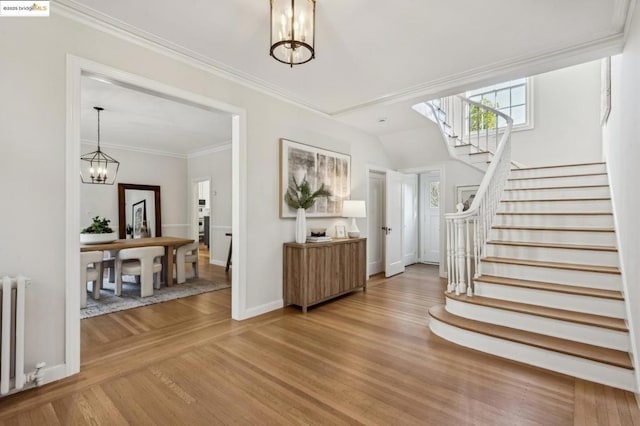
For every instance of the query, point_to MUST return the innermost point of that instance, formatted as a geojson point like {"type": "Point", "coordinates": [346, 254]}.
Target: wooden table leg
{"type": "Point", "coordinates": [169, 257]}
{"type": "Point", "coordinates": [226, 269]}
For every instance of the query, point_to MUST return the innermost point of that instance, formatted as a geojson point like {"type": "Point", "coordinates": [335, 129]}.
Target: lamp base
{"type": "Point", "coordinates": [353, 230]}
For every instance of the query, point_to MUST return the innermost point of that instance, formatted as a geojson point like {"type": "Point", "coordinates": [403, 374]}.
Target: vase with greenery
{"type": "Point", "coordinates": [98, 232]}
{"type": "Point", "coordinates": [299, 196]}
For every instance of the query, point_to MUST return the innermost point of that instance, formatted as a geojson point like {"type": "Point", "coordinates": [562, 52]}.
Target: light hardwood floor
{"type": "Point", "coordinates": [365, 358]}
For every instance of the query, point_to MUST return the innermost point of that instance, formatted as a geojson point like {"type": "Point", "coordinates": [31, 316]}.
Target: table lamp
{"type": "Point", "coordinates": [353, 209]}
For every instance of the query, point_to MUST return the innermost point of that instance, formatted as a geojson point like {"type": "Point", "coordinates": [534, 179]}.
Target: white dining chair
{"type": "Point", "coordinates": [187, 253]}
{"type": "Point", "coordinates": [109, 263]}
{"type": "Point", "coordinates": [141, 261]}
{"type": "Point", "coordinates": [90, 271]}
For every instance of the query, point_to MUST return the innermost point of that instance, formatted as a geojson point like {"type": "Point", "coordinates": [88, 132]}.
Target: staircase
{"type": "Point", "coordinates": [545, 288]}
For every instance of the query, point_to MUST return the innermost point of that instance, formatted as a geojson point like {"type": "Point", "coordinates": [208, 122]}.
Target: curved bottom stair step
{"type": "Point", "coordinates": [610, 323]}
{"type": "Point", "coordinates": [581, 350]}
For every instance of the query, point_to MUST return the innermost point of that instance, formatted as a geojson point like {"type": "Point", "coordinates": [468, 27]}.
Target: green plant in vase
{"type": "Point", "coordinates": [98, 232]}
{"type": "Point", "coordinates": [300, 196]}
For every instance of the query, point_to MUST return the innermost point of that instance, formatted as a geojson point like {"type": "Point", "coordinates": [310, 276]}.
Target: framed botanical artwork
{"type": "Point", "coordinates": [318, 166]}
{"type": "Point", "coordinates": [139, 215]}
{"type": "Point", "coordinates": [465, 194]}
{"type": "Point", "coordinates": [341, 231]}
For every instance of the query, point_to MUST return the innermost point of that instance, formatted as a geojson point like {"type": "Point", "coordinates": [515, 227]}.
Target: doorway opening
{"type": "Point", "coordinates": [430, 202]}
{"type": "Point", "coordinates": [236, 149]}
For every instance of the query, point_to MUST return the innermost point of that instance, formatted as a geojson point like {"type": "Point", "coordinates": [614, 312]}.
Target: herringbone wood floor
{"type": "Point", "coordinates": [366, 358]}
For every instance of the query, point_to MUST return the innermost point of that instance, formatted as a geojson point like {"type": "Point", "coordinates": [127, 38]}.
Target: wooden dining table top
{"type": "Point", "coordinates": [137, 242]}
{"type": "Point", "coordinates": [168, 242]}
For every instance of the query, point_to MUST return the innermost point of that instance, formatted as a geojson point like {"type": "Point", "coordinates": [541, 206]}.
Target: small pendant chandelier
{"type": "Point", "coordinates": [293, 31]}
{"type": "Point", "coordinates": [98, 167]}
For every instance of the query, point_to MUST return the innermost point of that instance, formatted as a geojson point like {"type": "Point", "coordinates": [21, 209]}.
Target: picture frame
{"type": "Point", "coordinates": [318, 166]}
{"type": "Point", "coordinates": [341, 231]}
{"type": "Point", "coordinates": [139, 217]}
{"type": "Point", "coordinates": [465, 195]}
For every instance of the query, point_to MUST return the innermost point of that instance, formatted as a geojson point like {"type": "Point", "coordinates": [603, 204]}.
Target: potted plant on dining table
{"type": "Point", "coordinates": [99, 232]}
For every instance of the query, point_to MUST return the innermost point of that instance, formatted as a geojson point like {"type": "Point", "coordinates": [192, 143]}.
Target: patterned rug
{"type": "Point", "coordinates": [130, 298]}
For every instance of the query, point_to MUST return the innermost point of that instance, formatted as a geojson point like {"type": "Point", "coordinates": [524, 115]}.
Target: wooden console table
{"type": "Point", "coordinates": [315, 272]}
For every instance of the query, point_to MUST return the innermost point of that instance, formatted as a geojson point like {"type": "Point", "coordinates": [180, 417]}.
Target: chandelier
{"type": "Point", "coordinates": [293, 31]}
{"type": "Point", "coordinates": [98, 167]}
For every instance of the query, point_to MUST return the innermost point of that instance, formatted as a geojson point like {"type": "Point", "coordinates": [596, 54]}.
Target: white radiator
{"type": "Point", "coordinates": [12, 309]}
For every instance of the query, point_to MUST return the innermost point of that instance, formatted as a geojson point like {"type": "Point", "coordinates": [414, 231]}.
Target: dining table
{"type": "Point", "coordinates": [169, 244]}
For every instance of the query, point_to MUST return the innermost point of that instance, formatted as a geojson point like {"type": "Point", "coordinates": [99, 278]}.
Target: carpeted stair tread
{"type": "Point", "coordinates": [558, 288]}
{"type": "Point", "coordinates": [546, 312]}
{"type": "Point", "coordinates": [582, 350]}
{"type": "Point", "coordinates": [556, 265]}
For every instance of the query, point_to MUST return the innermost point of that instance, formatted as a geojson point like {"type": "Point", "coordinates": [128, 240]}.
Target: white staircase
{"type": "Point", "coordinates": [544, 287]}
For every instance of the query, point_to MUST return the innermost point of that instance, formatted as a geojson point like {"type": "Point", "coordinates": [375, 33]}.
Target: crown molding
{"type": "Point", "coordinates": [545, 61]}
{"type": "Point", "coordinates": [136, 149]}
{"type": "Point", "coordinates": [97, 20]}
{"type": "Point", "coordinates": [209, 150]}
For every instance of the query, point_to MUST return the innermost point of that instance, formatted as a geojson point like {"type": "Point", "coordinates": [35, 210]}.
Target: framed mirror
{"type": "Point", "coordinates": [139, 210]}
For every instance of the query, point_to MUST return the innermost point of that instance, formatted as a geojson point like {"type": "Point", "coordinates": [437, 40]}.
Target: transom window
{"type": "Point", "coordinates": [511, 98]}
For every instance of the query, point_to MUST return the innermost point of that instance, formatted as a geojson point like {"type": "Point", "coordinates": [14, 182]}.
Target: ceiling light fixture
{"type": "Point", "coordinates": [98, 167]}
{"type": "Point", "coordinates": [293, 31]}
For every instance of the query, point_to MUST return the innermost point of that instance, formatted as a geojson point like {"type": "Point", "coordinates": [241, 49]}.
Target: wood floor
{"type": "Point", "coordinates": [366, 358]}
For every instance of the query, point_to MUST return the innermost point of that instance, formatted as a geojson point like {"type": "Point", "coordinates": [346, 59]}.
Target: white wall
{"type": "Point", "coordinates": [622, 152]}
{"type": "Point", "coordinates": [170, 173]}
{"type": "Point", "coordinates": [217, 167]}
{"type": "Point", "coordinates": [32, 159]}
{"type": "Point", "coordinates": [566, 119]}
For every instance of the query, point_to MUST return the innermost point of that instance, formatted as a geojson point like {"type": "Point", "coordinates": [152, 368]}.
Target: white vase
{"type": "Point", "coordinates": [98, 238]}
{"type": "Point", "coordinates": [301, 226]}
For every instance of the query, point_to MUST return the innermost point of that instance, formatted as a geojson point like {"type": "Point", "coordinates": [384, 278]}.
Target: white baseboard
{"type": "Point", "coordinates": [262, 309]}
{"type": "Point", "coordinates": [54, 373]}
{"type": "Point", "coordinates": [218, 262]}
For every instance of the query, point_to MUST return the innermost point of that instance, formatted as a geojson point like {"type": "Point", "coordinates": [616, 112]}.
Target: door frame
{"type": "Point", "coordinates": [194, 219]}
{"type": "Point", "coordinates": [368, 169]}
{"type": "Point", "coordinates": [76, 67]}
{"type": "Point", "coordinates": [440, 167]}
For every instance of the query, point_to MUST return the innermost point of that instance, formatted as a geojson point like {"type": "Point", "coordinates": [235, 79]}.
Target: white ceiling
{"type": "Point", "coordinates": [133, 119]}
{"type": "Point", "coordinates": [371, 54]}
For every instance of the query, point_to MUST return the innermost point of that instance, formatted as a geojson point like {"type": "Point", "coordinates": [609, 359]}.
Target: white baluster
{"type": "Point", "coordinates": [468, 254]}
{"type": "Point", "coordinates": [460, 257]}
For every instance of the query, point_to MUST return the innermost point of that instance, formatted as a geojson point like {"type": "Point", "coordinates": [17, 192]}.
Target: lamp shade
{"type": "Point", "coordinates": [354, 208]}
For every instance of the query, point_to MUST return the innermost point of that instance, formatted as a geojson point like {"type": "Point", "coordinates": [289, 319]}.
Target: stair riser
{"type": "Point", "coordinates": [556, 221]}
{"type": "Point", "coordinates": [582, 333]}
{"type": "Point", "coordinates": [558, 237]}
{"type": "Point", "coordinates": [544, 254]}
{"type": "Point", "coordinates": [558, 193]}
{"type": "Point", "coordinates": [559, 171]}
{"type": "Point", "coordinates": [568, 206]}
{"type": "Point", "coordinates": [465, 149]}
{"type": "Point", "coordinates": [567, 364]}
{"type": "Point", "coordinates": [559, 182]}
{"type": "Point", "coordinates": [480, 158]}
{"type": "Point", "coordinates": [570, 302]}
{"type": "Point", "coordinates": [553, 275]}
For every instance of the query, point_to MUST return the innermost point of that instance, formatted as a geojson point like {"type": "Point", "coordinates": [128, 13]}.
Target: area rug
{"type": "Point", "coordinates": [130, 298]}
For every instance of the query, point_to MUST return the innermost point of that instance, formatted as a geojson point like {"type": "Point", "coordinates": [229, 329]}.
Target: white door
{"type": "Point", "coordinates": [410, 219]}
{"type": "Point", "coordinates": [430, 217]}
{"type": "Point", "coordinates": [375, 218]}
{"type": "Point", "coordinates": [393, 261]}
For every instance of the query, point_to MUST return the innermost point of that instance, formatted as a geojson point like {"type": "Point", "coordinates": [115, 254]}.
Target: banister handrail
{"type": "Point", "coordinates": [506, 138]}
{"type": "Point", "coordinates": [467, 231]}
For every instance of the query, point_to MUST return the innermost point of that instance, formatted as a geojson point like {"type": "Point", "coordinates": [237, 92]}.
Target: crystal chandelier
{"type": "Point", "coordinates": [98, 167]}
{"type": "Point", "coordinates": [293, 31]}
